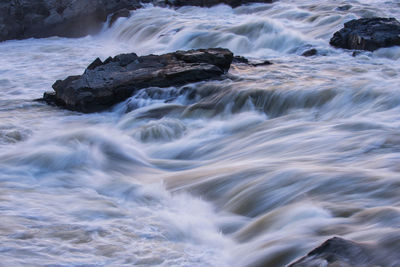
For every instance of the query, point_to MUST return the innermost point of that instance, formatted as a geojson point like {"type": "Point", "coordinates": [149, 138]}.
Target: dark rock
{"type": "Point", "coordinates": [261, 63]}
{"type": "Point", "coordinates": [104, 84]}
{"type": "Point", "coordinates": [336, 252]}
{"type": "Point", "coordinates": [356, 53]}
{"type": "Point", "coordinates": [209, 3]}
{"type": "Point", "coordinates": [240, 59]}
{"type": "Point", "coordinates": [97, 62]}
{"type": "Point", "coordinates": [310, 53]}
{"type": "Point", "coordinates": [21, 19]}
{"type": "Point", "coordinates": [49, 98]}
{"type": "Point", "coordinates": [344, 8]}
{"type": "Point", "coordinates": [122, 13]}
{"type": "Point", "coordinates": [368, 34]}
{"type": "Point", "coordinates": [243, 60]}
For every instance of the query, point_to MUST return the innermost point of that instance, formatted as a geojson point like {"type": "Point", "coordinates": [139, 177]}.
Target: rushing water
{"type": "Point", "coordinates": [254, 170]}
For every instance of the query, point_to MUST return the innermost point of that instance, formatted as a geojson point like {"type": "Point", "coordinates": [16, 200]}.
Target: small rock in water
{"type": "Point", "coordinates": [260, 63]}
{"type": "Point", "coordinates": [67, 18]}
{"type": "Point", "coordinates": [240, 59]}
{"type": "Point", "coordinates": [368, 34]}
{"type": "Point", "coordinates": [243, 60]}
{"type": "Point", "coordinates": [344, 7]}
{"type": "Point", "coordinates": [104, 84]}
{"type": "Point", "coordinates": [309, 53]}
{"type": "Point", "coordinates": [337, 252]}
{"type": "Point", "coordinates": [356, 53]}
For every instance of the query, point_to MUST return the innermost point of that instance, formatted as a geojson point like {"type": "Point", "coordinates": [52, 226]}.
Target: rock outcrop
{"type": "Point", "coordinates": [20, 19]}
{"type": "Point", "coordinates": [368, 34]}
{"type": "Point", "coordinates": [104, 84]}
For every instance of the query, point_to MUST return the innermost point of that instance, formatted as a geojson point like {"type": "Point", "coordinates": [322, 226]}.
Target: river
{"type": "Point", "coordinates": [254, 170]}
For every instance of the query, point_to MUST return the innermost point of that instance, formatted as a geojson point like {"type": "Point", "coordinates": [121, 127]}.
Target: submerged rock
{"type": "Point", "coordinates": [310, 53]}
{"type": "Point", "coordinates": [368, 34]}
{"type": "Point", "coordinates": [243, 60]}
{"type": "Point", "coordinates": [338, 252]}
{"type": "Point", "coordinates": [20, 19]}
{"type": "Point", "coordinates": [104, 84]}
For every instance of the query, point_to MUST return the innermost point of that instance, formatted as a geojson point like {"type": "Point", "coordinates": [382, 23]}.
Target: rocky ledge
{"type": "Point", "coordinates": [104, 84]}
{"type": "Point", "coordinates": [20, 19]}
{"type": "Point", "coordinates": [368, 34]}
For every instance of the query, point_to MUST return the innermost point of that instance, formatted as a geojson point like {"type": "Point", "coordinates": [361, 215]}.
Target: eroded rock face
{"type": "Point", "coordinates": [368, 34]}
{"type": "Point", "coordinates": [104, 84]}
{"type": "Point", "coordinates": [21, 19]}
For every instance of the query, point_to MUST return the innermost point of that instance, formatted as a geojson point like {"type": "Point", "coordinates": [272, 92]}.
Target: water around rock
{"type": "Point", "coordinates": [338, 251]}
{"type": "Point", "coordinates": [104, 84]}
{"type": "Point", "coordinates": [254, 170]}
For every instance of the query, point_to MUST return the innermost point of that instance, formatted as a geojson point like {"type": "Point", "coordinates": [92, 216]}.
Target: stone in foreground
{"type": "Point", "coordinates": [368, 34]}
{"type": "Point", "coordinates": [104, 84]}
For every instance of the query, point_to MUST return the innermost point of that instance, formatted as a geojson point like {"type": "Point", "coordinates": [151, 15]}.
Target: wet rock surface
{"type": "Point", "coordinates": [20, 19]}
{"type": "Point", "coordinates": [310, 52]}
{"type": "Point", "coordinates": [345, 253]}
{"type": "Point", "coordinates": [104, 84]}
{"type": "Point", "coordinates": [368, 34]}
{"type": "Point", "coordinates": [335, 252]}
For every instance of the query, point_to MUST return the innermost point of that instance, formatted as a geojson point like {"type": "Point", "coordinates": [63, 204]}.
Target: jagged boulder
{"type": "Point", "coordinates": [345, 253]}
{"type": "Point", "coordinates": [335, 252]}
{"type": "Point", "coordinates": [368, 34]}
{"type": "Point", "coordinates": [104, 84]}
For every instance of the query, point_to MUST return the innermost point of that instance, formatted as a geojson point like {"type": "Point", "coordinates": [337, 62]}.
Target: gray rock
{"type": "Point", "coordinates": [368, 34]}
{"type": "Point", "coordinates": [20, 19]}
{"type": "Point", "coordinates": [104, 84]}
{"type": "Point", "coordinates": [310, 53]}
{"type": "Point", "coordinates": [339, 252]}
{"type": "Point", "coordinates": [122, 13]}
{"type": "Point", "coordinates": [344, 8]}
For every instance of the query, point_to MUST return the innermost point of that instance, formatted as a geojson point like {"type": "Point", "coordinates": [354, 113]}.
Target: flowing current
{"type": "Point", "coordinates": [254, 170]}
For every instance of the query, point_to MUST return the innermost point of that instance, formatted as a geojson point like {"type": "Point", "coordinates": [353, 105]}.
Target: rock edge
{"type": "Point", "coordinates": [104, 84]}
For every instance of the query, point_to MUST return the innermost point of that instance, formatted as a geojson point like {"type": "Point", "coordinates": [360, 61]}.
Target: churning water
{"type": "Point", "coordinates": [254, 170]}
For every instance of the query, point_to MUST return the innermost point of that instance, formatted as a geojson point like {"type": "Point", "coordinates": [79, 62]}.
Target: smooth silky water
{"type": "Point", "coordinates": [253, 170]}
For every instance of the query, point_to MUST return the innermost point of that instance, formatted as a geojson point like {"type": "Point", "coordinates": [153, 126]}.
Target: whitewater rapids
{"type": "Point", "coordinates": [253, 170]}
